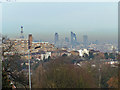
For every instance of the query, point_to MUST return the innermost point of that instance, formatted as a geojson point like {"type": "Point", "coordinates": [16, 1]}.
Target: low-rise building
{"type": "Point", "coordinates": [74, 53]}
{"type": "Point", "coordinates": [83, 51]}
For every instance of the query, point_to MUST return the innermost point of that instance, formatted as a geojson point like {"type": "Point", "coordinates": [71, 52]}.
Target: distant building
{"type": "Point", "coordinates": [96, 42]}
{"type": "Point", "coordinates": [83, 51]}
{"type": "Point", "coordinates": [45, 56]}
{"type": "Point", "coordinates": [73, 39]}
{"type": "Point", "coordinates": [45, 46]}
{"type": "Point", "coordinates": [85, 41]}
{"type": "Point", "coordinates": [19, 44]}
{"type": "Point", "coordinates": [66, 39]}
{"type": "Point", "coordinates": [21, 36]}
{"type": "Point", "coordinates": [22, 45]}
{"type": "Point", "coordinates": [56, 39]}
{"type": "Point", "coordinates": [74, 53]}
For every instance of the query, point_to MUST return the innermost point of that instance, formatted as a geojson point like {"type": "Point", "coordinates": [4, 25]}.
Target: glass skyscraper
{"type": "Point", "coordinates": [73, 39]}
{"type": "Point", "coordinates": [56, 39]}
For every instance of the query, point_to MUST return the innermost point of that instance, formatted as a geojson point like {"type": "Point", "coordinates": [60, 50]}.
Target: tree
{"type": "Point", "coordinates": [5, 80]}
{"type": "Point", "coordinates": [91, 55]}
{"type": "Point", "coordinates": [106, 73]}
{"type": "Point", "coordinates": [112, 56]}
{"type": "Point", "coordinates": [86, 56]}
{"type": "Point", "coordinates": [113, 82]}
{"type": "Point", "coordinates": [11, 64]}
{"type": "Point", "coordinates": [106, 55]}
{"type": "Point", "coordinates": [24, 66]}
{"type": "Point", "coordinates": [61, 74]}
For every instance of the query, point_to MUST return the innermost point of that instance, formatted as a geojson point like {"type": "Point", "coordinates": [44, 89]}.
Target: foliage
{"type": "Point", "coordinates": [5, 80]}
{"type": "Point", "coordinates": [106, 55]}
{"type": "Point", "coordinates": [11, 65]}
{"type": "Point", "coordinates": [61, 74]}
{"type": "Point", "coordinates": [34, 66]}
{"type": "Point", "coordinates": [106, 73]}
{"type": "Point", "coordinates": [91, 55]}
{"type": "Point", "coordinates": [111, 55]}
{"type": "Point", "coordinates": [86, 56]}
{"type": "Point", "coordinates": [24, 66]}
{"type": "Point", "coordinates": [113, 82]}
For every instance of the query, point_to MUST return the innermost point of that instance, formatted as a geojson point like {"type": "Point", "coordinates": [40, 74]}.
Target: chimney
{"type": "Point", "coordinates": [29, 41]}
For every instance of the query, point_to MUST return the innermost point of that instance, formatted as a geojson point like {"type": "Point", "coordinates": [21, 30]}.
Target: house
{"type": "Point", "coordinates": [74, 53]}
{"type": "Point", "coordinates": [83, 51]}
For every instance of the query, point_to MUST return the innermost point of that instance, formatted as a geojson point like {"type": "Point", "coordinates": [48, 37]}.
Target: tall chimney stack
{"type": "Point", "coordinates": [29, 41]}
{"type": "Point", "coordinates": [21, 36]}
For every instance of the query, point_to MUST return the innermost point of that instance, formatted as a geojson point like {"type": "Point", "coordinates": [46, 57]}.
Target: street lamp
{"type": "Point", "coordinates": [99, 76]}
{"type": "Point", "coordinates": [29, 64]}
{"type": "Point", "coordinates": [29, 69]}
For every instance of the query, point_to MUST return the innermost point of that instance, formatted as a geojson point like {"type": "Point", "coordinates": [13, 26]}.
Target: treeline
{"type": "Point", "coordinates": [62, 73]}
{"type": "Point", "coordinates": [12, 71]}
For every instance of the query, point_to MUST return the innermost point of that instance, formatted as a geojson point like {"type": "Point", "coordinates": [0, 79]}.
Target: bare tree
{"type": "Point", "coordinates": [12, 63]}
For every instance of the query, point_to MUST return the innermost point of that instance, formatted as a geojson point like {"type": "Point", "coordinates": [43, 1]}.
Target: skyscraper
{"type": "Point", "coordinates": [73, 38]}
{"type": "Point", "coordinates": [56, 39]}
{"type": "Point", "coordinates": [66, 39]}
{"type": "Point", "coordinates": [85, 40]}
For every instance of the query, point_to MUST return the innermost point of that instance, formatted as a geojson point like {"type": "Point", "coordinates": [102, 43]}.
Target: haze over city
{"type": "Point", "coordinates": [97, 20]}
{"type": "Point", "coordinates": [59, 45]}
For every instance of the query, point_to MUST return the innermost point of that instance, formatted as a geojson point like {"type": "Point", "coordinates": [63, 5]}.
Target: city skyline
{"type": "Point", "coordinates": [44, 19]}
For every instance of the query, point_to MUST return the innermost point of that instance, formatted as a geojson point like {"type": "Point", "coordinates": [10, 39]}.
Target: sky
{"type": "Point", "coordinates": [97, 20]}
{"type": "Point", "coordinates": [59, 0]}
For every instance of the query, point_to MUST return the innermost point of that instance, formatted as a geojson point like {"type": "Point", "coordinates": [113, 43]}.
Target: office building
{"type": "Point", "coordinates": [73, 39]}
{"type": "Point", "coordinates": [66, 39]}
{"type": "Point", "coordinates": [56, 39]}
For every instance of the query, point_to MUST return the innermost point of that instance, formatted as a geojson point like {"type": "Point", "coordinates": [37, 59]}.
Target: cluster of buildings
{"type": "Point", "coordinates": [41, 50]}
{"type": "Point", "coordinates": [44, 50]}
{"type": "Point", "coordinates": [66, 43]}
{"type": "Point", "coordinates": [74, 44]}
{"type": "Point", "coordinates": [103, 47]}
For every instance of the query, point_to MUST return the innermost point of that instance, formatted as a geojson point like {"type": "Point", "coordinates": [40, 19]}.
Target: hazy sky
{"type": "Point", "coordinates": [97, 20]}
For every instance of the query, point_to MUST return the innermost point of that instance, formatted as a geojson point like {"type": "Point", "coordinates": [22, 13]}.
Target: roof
{"type": "Point", "coordinates": [40, 42]}
{"type": "Point", "coordinates": [75, 51]}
